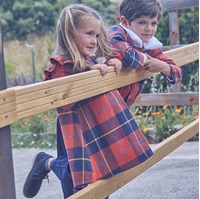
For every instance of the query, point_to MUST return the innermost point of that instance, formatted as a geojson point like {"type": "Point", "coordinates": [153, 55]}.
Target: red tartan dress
{"type": "Point", "coordinates": [100, 135]}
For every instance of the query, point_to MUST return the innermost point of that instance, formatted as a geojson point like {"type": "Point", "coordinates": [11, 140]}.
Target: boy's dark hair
{"type": "Point", "coordinates": [133, 9]}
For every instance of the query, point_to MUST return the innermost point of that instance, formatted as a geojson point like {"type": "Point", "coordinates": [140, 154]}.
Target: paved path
{"type": "Point", "coordinates": [174, 177]}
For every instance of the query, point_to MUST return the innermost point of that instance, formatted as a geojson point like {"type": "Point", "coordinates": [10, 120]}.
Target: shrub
{"type": "Point", "coordinates": [35, 131]}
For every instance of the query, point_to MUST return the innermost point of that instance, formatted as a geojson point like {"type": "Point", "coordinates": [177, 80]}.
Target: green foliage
{"type": "Point", "coordinates": [163, 30]}
{"type": "Point", "coordinates": [158, 123]}
{"type": "Point", "coordinates": [190, 82]}
{"type": "Point", "coordinates": [173, 119]}
{"type": "Point", "coordinates": [35, 131]}
{"type": "Point", "coordinates": [10, 69]}
{"type": "Point", "coordinates": [188, 27]}
{"type": "Point", "coordinates": [105, 7]}
{"type": "Point", "coordinates": [22, 17]}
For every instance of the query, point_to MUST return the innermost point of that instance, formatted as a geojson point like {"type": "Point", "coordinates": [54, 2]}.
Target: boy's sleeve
{"type": "Point", "coordinates": [127, 54]}
{"type": "Point", "coordinates": [175, 70]}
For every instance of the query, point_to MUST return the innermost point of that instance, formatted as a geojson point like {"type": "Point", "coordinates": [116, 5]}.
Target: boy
{"type": "Point", "coordinates": [136, 46]}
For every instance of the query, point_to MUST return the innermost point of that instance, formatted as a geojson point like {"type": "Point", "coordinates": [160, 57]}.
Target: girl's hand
{"type": "Point", "coordinates": [155, 65]}
{"type": "Point", "coordinates": [102, 67]}
{"type": "Point", "coordinates": [116, 63]}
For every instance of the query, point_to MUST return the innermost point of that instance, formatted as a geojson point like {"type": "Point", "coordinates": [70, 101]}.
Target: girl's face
{"type": "Point", "coordinates": [144, 26]}
{"type": "Point", "coordinates": [86, 39]}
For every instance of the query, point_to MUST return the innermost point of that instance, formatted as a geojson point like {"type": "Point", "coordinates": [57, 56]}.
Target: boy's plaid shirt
{"type": "Point", "coordinates": [131, 56]}
{"type": "Point", "coordinates": [100, 135]}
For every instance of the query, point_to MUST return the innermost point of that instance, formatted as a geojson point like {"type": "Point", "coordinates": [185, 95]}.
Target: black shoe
{"type": "Point", "coordinates": [36, 175]}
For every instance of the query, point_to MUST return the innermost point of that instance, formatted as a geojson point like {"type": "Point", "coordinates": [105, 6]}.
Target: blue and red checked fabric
{"type": "Point", "coordinates": [100, 135]}
{"type": "Point", "coordinates": [130, 49]}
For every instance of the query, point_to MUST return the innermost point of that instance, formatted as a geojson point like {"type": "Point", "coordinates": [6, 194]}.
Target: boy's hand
{"type": "Point", "coordinates": [116, 63]}
{"type": "Point", "coordinates": [155, 65]}
{"type": "Point", "coordinates": [102, 67]}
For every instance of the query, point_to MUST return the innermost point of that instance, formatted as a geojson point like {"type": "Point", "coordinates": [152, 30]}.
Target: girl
{"type": "Point", "coordinates": [98, 137]}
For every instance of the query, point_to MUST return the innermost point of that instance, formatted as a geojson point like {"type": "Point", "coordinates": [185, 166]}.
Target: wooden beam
{"type": "Point", "coordinates": [24, 101]}
{"type": "Point", "coordinates": [162, 99]}
{"type": "Point", "coordinates": [171, 5]}
{"type": "Point", "coordinates": [103, 188]}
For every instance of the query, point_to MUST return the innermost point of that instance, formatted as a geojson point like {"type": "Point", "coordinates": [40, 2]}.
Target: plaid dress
{"type": "Point", "coordinates": [100, 135]}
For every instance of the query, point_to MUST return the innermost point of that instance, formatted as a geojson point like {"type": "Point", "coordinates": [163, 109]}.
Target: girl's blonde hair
{"type": "Point", "coordinates": [68, 22]}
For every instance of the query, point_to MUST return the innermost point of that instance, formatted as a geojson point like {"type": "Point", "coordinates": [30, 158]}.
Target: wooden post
{"type": "Point", "coordinates": [7, 184]}
{"type": "Point", "coordinates": [174, 38]}
{"type": "Point", "coordinates": [174, 28]}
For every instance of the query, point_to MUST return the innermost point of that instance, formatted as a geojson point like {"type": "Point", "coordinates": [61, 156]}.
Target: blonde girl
{"type": "Point", "coordinates": [96, 137]}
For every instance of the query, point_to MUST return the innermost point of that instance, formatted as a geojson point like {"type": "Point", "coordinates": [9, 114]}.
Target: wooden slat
{"type": "Point", "coordinates": [170, 5]}
{"type": "Point", "coordinates": [68, 92]}
{"type": "Point", "coordinates": [103, 188]}
{"type": "Point", "coordinates": [7, 96]}
{"type": "Point", "coordinates": [179, 54]}
{"type": "Point", "coordinates": [43, 96]}
{"type": "Point", "coordinates": [8, 118]}
{"type": "Point", "coordinates": [186, 59]}
{"type": "Point", "coordinates": [47, 89]}
{"type": "Point", "coordinates": [58, 100]}
{"type": "Point", "coordinates": [183, 50]}
{"type": "Point", "coordinates": [162, 99]}
{"type": "Point", "coordinates": [11, 106]}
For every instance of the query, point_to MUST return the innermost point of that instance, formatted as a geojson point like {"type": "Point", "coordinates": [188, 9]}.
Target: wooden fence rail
{"type": "Point", "coordinates": [162, 99]}
{"type": "Point", "coordinates": [20, 102]}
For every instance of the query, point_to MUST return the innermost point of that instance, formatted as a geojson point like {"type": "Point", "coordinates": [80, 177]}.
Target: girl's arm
{"type": "Point", "coordinates": [104, 67]}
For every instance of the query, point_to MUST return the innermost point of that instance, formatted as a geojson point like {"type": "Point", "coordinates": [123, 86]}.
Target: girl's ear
{"type": "Point", "coordinates": [124, 21]}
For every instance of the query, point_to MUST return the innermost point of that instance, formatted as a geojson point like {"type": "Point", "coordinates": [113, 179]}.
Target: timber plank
{"type": "Point", "coordinates": [67, 86]}
{"type": "Point", "coordinates": [64, 98]}
{"type": "Point", "coordinates": [185, 60]}
{"type": "Point", "coordinates": [6, 96]}
{"type": "Point", "coordinates": [162, 99]}
{"type": "Point", "coordinates": [8, 118]}
{"type": "Point", "coordinates": [11, 106]}
{"type": "Point", "coordinates": [59, 81]}
{"type": "Point", "coordinates": [76, 89]}
{"type": "Point", "coordinates": [182, 51]}
{"type": "Point", "coordinates": [43, 96]}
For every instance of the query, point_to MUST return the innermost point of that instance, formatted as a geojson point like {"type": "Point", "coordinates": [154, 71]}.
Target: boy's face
{"type": "Point", "coordinates": [144, 26]}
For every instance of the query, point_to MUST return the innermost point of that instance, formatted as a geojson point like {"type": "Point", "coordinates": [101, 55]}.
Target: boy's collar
{"type": "Point", "coordinates": [153, 43]}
